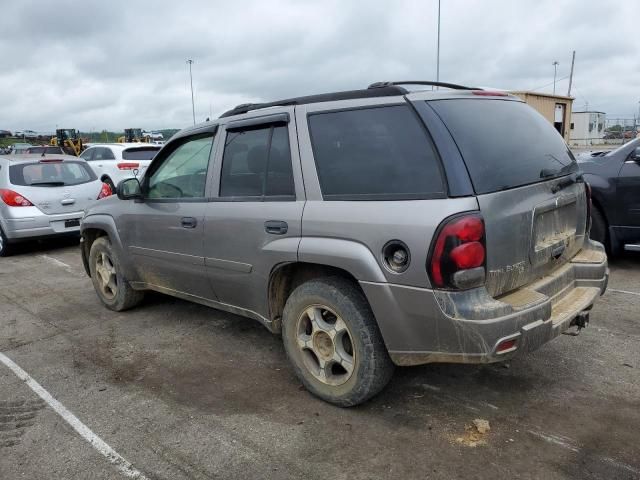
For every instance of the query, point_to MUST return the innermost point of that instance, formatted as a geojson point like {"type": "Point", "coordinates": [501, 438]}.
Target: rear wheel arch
{"type": "Point", "coordinates": [286, 277]}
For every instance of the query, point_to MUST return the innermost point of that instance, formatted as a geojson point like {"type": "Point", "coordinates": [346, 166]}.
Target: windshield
{"type": "Point", "coordinates": [505, 144]}
{"type": "Point", "coordinates": [45, 150]}
{"type": "Point", "coordinates": [50, 174]}
{"type": "Point", "coordinates": [632, 145]}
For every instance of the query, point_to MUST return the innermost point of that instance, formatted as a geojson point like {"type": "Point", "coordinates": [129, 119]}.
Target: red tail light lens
{"type": "Point", "coordinates": [105, 191]}
{"type": "Point", "coordinates": [458, 255]}
{"type": "Point", "coordinates": [128, 165]}
{"type": "Point", "coordinates": [14, 199]}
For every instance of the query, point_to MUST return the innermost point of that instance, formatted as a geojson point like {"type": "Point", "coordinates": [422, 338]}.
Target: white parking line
{"type": "Point", "coordinates": [55, 261]}
{"type": "Point", "coordinates": [623, 291]}
{"type": "Point", "coordinates": [96, 442]}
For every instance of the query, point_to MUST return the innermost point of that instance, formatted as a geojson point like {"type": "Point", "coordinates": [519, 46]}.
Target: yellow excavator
{"type": "Point", "coordinates": [134, 135]}
{"type": "Point", "coordinates": [69, 140]}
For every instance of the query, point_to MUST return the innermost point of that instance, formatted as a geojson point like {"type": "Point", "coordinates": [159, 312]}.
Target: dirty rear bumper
{"type": "Point", "coordinates": [424, 326]}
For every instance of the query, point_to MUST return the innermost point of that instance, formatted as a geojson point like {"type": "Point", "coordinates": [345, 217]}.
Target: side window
{"type": "Point", "coordinates": [87, 154]}
{"type": "Point", "coordinates": [257, 163]}
{"type": "Point", "coordinates": [374, 153]}
{"type": "Point", "coordinates": [183, 174]}
{"type": "Point", "coordinates": [103, 153]}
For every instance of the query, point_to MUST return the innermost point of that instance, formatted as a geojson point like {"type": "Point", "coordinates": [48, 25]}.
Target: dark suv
{"type": "Point", "coordinates": [370, 228]}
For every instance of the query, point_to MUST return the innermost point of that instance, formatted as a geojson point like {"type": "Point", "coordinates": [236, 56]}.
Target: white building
{"type": "Point", "coordinates": [587, 128]}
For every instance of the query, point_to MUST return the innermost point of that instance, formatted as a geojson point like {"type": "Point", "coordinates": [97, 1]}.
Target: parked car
{"type": "Point", "coordinates": [615, 183]}
{"type": "Point", "coordinates": [43, 197]}
{"type": "Point", "coordinates": [370, 228]}
{"type": "Point", "coordinates": [114, 162]}
{"type": "Point", "coordinates": [45, 150]}
{"type": "Point", "coordinates": [20, 148]}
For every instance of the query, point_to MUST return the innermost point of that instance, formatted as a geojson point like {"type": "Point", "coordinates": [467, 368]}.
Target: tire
{"type": "Point", "coordinates": [112, 287]}
{"type": "Point", "coordinates": [599, 228]}
{"type": "Point", "coordinates": [5, 247]}
{"type": "Point", "coordinates": [346, 367]}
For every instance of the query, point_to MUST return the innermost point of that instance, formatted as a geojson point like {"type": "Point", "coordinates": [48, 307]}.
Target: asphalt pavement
{"type": "Point", "coordinates": [174, 390]}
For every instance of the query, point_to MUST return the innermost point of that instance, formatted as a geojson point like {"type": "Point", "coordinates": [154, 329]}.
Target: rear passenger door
{"type": "Point", "coordinates": [253, 220]}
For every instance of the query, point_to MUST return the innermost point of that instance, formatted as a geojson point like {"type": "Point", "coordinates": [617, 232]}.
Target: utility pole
{"type": "Point", "coordinates": [438, 48]}
{"type": "Point", "coordinates": [573, 61]}
{"type": "Point", "coordinates": [193, 107]}
{"type": "Point", "coordinates": [555, 72]}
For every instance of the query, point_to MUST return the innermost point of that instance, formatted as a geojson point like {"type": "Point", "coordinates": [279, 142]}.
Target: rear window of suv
{"type": "Point", "coordinates": [374, 154]}
{"type": "Point", "coordinates": [146, 153]}
{"type": "Point", "coordinates": [504, 143]}
{"type": "Point", "coordinates": [50, 174]}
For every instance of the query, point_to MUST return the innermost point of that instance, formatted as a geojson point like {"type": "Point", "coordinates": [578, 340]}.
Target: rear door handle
{"type": "Point", "coordinates": [189, 222]}
{"type": "Point", "coordinates": [276, 227]}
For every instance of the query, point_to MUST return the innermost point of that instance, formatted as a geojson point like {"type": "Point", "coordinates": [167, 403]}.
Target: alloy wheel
{"type": "Point", "coordinates": [106, 274]}
{"type": "Point", "coordinates": [326, 345]}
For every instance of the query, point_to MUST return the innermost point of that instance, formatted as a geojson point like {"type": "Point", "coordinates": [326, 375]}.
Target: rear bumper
{"type": "Point", "coordinates": [39, 225]}
{"type": "Point", "coordinates": [424, 326]}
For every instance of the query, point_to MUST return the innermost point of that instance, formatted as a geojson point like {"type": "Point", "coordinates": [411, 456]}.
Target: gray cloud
{"type": "Point", "coordinates": [97, 65]}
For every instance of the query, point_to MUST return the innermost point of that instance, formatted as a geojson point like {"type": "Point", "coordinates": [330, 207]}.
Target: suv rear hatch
{"type": "Point", "coordinates": [55, 186]}
{"type": "Point", "coordinates": [527, 184]}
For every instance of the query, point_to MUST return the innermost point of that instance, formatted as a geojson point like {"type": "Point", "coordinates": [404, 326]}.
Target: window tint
{"type": "Point", "coordinates": [257, 163]}
{"type": "Point", "coordinates": [146, 153]}
{"type": "Point", "coordinates": [374, 153]}
{"type": "Point", "coordinates": [50, 174]}
{"type": "Point", "coordinates": [504, 144]}
{"type": "Point", "coordinates": [183, 174]}
{"type": "Point", "coordinates": [86, 155]}
{"type": "Point", "coordinates": [103, 153]}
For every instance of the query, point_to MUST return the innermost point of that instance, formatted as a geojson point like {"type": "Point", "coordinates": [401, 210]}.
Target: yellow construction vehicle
{"type": "Point", "coordinates": [69, 140]}
{"type": "Point", "coordinates": [134, 135]}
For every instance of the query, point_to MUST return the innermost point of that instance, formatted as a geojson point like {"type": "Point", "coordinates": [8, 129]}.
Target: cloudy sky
{"type": "Point", "coordinates": [97, 65]}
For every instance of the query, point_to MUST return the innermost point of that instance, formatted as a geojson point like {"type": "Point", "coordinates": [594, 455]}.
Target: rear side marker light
{"type": "Point", "coordinates": [458, 254]}
{"type": "Point", "coordinates": [128, 165]}
{"type": "Point", "coordinates": [14, 199]}
{"type": "Point", "coordinates": [105, 191]}
{"type": "Point", "coordinates": [506, 346]}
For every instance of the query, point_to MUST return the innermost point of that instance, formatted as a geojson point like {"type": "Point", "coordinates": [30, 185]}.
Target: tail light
{"type": "Point", "coordinates": [458, 255]}
{"type": "Point", "coordinates": [105, 191]}
{"type": "Point", "coordinates": [14, 199]}
{"type": "Point", "coordinates": [587, 191]}
{"type": "Point", "coordinates": [128, 165]}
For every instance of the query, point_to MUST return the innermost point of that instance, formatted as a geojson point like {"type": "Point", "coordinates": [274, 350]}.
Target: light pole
{"type": "Point", "coordinates": [555, 71]}
{"type": "Point", "coordinates": [438, 47]}
{"type": "Point", "coordinates": [193, 107]}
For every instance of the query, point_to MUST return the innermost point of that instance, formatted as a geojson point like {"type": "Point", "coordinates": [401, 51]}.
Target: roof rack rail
{"type": "Point", "coordinates": [383, 91]}
{"type": "Point", "coordinates": [422, 82]}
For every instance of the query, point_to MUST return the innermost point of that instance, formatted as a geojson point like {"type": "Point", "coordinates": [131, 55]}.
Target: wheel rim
{"type": "Point", "coordinates": [106, 275]}
{"type": "Point", "coordinates": [1, 242]}
{"type": "Point", "coordinates": [326, 345]}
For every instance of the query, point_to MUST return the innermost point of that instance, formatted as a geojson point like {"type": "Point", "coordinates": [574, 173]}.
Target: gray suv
{"type": "Point", "coordinates": [370, 228]}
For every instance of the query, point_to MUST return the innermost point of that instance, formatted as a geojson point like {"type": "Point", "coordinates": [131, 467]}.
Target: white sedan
{"type": "Point", "coordinates": [114, 162]}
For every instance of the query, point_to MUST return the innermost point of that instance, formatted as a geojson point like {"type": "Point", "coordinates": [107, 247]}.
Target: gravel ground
{"type": "Point", "coordinates": [186, 392]}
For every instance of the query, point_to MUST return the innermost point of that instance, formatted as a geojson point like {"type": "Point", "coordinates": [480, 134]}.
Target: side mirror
{"type": "Point", "coordinates": [636, 154]}
{"type": "Point", "coordinates": [129, 189]}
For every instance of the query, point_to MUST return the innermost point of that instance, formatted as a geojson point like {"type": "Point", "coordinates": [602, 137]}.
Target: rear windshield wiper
{"type": "Point", "coordinates": [48, 184]}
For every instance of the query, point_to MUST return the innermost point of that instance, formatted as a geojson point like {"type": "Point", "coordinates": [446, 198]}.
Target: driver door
{"type": "Point", "coordinates": [165, 229]}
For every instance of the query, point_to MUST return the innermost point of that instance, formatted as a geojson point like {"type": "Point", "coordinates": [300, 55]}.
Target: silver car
{"type": "Point", "coordinates": [43, 196]}
{"type": "Point", "coordinates": [369, 228]}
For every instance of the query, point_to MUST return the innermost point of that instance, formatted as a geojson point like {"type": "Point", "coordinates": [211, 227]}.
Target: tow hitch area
{"type": "Point", "coordinates": [581, 321]}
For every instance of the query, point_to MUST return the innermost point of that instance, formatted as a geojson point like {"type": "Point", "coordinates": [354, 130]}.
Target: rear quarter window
{"type": "Point", "coordinates": [50, 174]}
{"type": "Point", "coordinates": [374, 153]}
{"type": "Point", "coordinates": [504, 143]}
